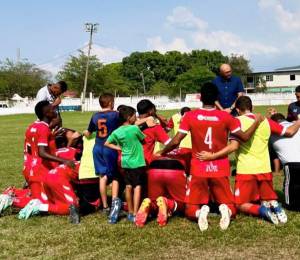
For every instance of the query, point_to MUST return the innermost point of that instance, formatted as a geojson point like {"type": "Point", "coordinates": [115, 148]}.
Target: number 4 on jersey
{"type": "Point", "coordinates": [208, 137]}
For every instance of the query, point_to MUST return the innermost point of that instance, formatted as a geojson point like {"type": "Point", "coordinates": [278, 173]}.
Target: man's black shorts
{"type": "Point", "coordinates": [135, 177]}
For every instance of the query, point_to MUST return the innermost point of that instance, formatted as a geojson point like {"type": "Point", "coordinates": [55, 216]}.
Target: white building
{"type": "Point", "coordinates": [279, 80]}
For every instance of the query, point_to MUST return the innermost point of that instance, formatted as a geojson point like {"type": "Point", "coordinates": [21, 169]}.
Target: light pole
{"type": "Point", "coordinates": [91, 28]}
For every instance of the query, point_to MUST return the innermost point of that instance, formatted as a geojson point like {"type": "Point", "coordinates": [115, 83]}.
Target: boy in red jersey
{"type": "Point", "coordinates": [209, 129]}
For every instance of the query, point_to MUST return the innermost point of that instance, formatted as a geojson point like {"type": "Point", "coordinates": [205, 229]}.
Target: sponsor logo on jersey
{"type": "Point", "coordinates": [207, 118]}
{"type": "Point", "coordinates": [210, 167]}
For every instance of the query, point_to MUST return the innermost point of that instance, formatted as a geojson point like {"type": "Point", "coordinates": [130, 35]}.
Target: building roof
{"type": "Point", "coordinates": [288, 68]}
{"type": "Point", "coordinates": [278, 71]}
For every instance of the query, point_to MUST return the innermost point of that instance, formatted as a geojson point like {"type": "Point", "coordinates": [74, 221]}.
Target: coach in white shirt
{"type": "Point", "coordinates": [51, 93]}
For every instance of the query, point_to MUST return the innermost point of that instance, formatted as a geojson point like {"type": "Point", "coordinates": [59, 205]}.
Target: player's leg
{"type": "Point", "coordinates": [129, 200]}
{"type": "Point", "coordinates": [198, 194]}
{"type": "Point", "coordinates": [246, 193]}
{"type": "Point", "coordinates": [269, 199]}
{"type": "Point", "coordinates": [103, 192]}
{"type": "Point", "coordinates": [137, 192]}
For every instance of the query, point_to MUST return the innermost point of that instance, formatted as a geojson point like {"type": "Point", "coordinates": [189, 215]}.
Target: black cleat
{"type": "Point", "coordinates": [74, 215]}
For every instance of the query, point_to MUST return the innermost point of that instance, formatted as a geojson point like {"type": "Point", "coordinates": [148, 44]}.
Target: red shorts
{"type": "Point", "coordinates": [200, 190]}
{"type": "Point", "coordinates": [168, 183]}
{"type": "Point", "coordinates": [254, 187]}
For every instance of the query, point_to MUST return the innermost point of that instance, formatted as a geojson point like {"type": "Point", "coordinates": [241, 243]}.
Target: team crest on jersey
{"type": "Point", "coordinates": [207, 118]}
{"type": "Point", "coordinates": [33, 130]}
{"type": "Point", "coordinates": [210, 167]}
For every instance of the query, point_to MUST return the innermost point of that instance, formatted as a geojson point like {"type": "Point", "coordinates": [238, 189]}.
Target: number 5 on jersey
{"type": "Point", "coordinates": [208, 137]}
{"type": "Point", "coordinates": [102, 128]}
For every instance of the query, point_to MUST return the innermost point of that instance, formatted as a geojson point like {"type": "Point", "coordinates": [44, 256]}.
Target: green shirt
{"type": "Point", "coordinates": [129, 138]}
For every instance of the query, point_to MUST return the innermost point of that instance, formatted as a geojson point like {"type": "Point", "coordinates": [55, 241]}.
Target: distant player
{"type": "Point", "coordinates": [294, 108]}
{"type": "Point", "coordinates": [174, 123]}
{"type": "Point", "coordinates": [105, 158]}
{"type": "Point", "coordinates": [127, 138]}
{"type": "Point", "coordinates": [209, 129]}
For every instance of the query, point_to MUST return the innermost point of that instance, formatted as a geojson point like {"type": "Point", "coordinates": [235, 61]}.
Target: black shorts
{"type": "Point", "coordinates": [135, 177]}
{"type": "Point", "coordinates": [291, 185]}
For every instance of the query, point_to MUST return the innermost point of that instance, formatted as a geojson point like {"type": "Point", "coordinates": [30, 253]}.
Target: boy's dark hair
{"type": "Point", "coordinates": [144, 106]}
{"type": "Point", "coordinates": [184, 110]}
{"type": "Point", "coordinates": [278, 117]}
{"type": "Point", "coordinates": [209, 93]}
{"type": "Point", "coordinates": [120, 107]}
{"type": "Point", "coordinates": [297, 89]}
{"type": "Point", "coordinates": [244, 103]}
{"type": "Point", "coordinates": [105, 99]}
{"type": "Point", "coordinates": [63, 86]}
{"type": "Point", "coordinates": [125, 113]}
{"type": "Point", "coordinates": [39, 108]}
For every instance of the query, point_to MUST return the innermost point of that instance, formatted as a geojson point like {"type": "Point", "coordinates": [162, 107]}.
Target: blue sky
{"type": "Point", "coordinates": [265, 31]}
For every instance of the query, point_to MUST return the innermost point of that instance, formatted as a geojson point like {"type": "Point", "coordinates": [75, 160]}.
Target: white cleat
{"type": "Point", "coordinates": [202, 218]}
{"type": "Point", "coordinates": [225, 216]}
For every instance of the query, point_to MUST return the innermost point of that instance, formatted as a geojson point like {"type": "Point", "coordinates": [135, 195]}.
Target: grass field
{"type": "Point", "coordinates": [52, 237]}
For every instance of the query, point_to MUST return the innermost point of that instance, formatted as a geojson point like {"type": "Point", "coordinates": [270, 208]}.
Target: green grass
{"type": "Point", "coordinates": [53, 237]}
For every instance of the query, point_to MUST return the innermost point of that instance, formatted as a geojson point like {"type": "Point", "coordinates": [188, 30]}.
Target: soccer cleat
{"type": "Point", "coordinates": [267, 214]}
{"type": "Point", "coordinates": [162, 216]}
{"type": "Point", "coordinates": [31, 209]}
{"type": "Point", "coordinates": [225, 216]}
{"type": "Point", "coordinates": [6, 200]}
{"type": "Point", "coordinates": [131, 217]}
{"type": "Point", "coordinates": [202, 218]}
{"type": "Point", "coordinates": [115, 211]}
{"type": "Point", "coordinates": [141, 216]}
{"type": "Point", "coordinates": [74, 216]}
{"type": "Point", "coordinates": [279, 212]}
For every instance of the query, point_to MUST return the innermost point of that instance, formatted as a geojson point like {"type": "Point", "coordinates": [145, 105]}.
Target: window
{"type": "Point", "coordinates": [269, 77]}
{"type": "Point", "coordinates": [249, 79]}
{"type": "Point", "coordinates": [293, 77]}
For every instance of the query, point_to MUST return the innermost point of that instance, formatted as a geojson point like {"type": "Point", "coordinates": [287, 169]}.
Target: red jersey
{"type": "Point", "coordinates": [39, 134]}
{"type": "Point", "coordinates": [152, 135]}
{"type": "Point", "coordinates": [209, 131]}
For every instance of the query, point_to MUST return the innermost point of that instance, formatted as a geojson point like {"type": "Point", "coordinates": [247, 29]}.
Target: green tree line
{"type": "Point", "coordinates": [152, 72]}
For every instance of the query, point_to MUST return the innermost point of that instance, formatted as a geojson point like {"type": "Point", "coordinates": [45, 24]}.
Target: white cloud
{"type": "Point", "coordinates": [183, 18]}
{"type": "Point", "coordinates": [106, 54]}
{"type": "Point", "coordinates": [287, 20]}
{"type": "Point", "coordinates": [53, 68]}
{"type": "Point", "coordinates": [200, 37]}
{"type": "Point", "coordinates": [229, 43]}
{"type": "Point", "coordinates": [178, 44]}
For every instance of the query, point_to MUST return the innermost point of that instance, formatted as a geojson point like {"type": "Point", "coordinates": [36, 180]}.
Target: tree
{"type": "Point", "coordinates": [240, 65]}
{"type": "Point", "coordinates": [23, 78]}
{"type": "Point", "coordinates": [160, 88]}
{"type": "Point", "coordinates": [73, 73]}
{"type": "Point", "coordinates": [192, 80]}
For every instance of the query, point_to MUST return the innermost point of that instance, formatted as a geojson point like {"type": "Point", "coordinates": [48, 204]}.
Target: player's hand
{"type": "Point", "coordinates": [205, 156]}
{"type": "Point", "coordinates": [158, 154]}
{"type": "Point", "coordinates": [150, 121]}
{"type": "Point", "coordinates": [228, 110]}
{"type": "Point", "coordinates": [70, 164]}
{"type": "Point", "coordinates": [5, 202]}
{"type": "Point", "coordinates": [259, 117]}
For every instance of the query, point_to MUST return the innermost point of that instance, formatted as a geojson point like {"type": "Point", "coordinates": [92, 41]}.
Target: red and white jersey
{"type": "Point", "coordinates": [209, 130]}
{"type": "Point", "coordinates": [39, 134]}
{"type": "Point", "coordinates": [152, 135]}
{"type": "Point", "coordinates": [67, 153]}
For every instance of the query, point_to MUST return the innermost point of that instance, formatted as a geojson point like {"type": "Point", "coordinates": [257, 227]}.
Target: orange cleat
{"type": "Point", "coordinates": [142, 214]}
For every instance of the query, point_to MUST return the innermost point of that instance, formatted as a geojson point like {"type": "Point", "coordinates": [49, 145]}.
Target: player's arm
{"type": "Point", "coordinates": [173, 143]}
{"type": "Point", "coordinates": [209, 156]}
{"type": "Point", "coordinates": [91, 128]}
{"type": "Point", "coordinates": [290, 114]}
{"type": "Point", "coordinates": [111, 142]}
{"type": "Point", "coordinates": [56, 102]}
{"type": "Point", "coordinates": [245, 136]}
{"type": "Point", "coordinates": [293, 129]}
{"type": "Point", "coordinates": [277, 165]}
{"type": "Point", "coordinates": [149, 121]}
{"type": "Point", "coordinates": [43, 153]}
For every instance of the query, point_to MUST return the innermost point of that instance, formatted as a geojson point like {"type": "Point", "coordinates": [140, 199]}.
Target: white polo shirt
{"type": "Point", "coordinates": [286, 148]}
{"type": "Point", "coordinates": [44, 94]}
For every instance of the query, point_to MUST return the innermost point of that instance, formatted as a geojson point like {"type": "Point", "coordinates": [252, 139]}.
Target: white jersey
{"type": "Point", "coordinates": [286, 148]}
{"type": "Point", "coordinates": [44, 94]}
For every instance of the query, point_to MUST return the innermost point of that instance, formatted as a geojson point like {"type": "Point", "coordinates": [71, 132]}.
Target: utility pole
{"type": "Point", "coordinates": [91, 28]}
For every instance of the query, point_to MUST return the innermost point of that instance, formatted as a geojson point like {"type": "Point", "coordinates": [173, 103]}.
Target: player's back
{"type": "Point", "coordinates": [209, 129]}
{"type": "Point", "coordinates": [104, 123]}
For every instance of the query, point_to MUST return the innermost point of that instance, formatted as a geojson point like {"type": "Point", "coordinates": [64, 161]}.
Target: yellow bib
{"type": "Point", "coordinates": [253, 156]}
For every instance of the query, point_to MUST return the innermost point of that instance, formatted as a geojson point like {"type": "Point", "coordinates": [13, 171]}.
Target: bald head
{"type": "Point", "coordinates": [225, 71]}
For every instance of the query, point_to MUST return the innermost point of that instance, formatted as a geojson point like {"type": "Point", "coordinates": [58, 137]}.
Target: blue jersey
{"type": "Point", "coordinates": [104, 123]}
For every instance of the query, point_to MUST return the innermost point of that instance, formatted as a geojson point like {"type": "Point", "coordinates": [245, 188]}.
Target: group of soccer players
{"type": "Point", "coordinates": [188, 176]}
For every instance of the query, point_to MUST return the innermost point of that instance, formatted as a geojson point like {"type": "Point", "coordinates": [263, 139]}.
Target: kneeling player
{"type": "Point", "coordinates": [209, 129]}
{"type": "Point", "coordinates": [166, 188]}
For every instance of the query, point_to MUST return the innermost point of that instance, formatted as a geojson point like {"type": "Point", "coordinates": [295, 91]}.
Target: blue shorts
{"type": "Point", "coordinates": [105, 161]}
